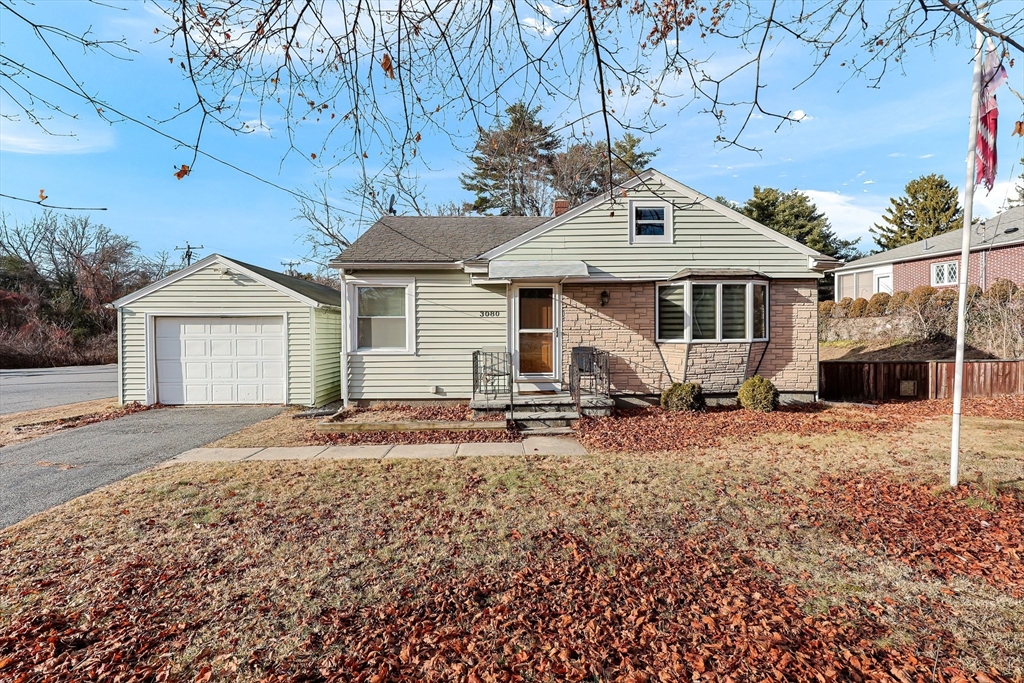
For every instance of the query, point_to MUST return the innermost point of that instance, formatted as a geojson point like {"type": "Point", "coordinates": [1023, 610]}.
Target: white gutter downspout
{"type": "Point", "coordinates": [344, 339]}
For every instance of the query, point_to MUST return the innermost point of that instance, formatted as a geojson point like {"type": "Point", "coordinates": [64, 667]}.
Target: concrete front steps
{"type": "Point", "coordinates": [544, 414]}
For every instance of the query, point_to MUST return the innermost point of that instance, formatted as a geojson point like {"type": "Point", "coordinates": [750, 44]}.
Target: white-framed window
{"type": "Point", "coordinates": [650, 221]}
{"type": "Point", "coordinates": [703, 311]}
{"type": "Point", "coordinates": [382, 316]}
{"type": "Point", "coordinates": [945, 273]}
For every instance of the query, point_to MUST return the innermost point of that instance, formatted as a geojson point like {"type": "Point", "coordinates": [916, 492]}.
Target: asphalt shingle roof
{"type": "Point", "coordinates": [435, 239]}
{"type": "Point", "coordinates": [994, 234]}
{"type": "Point", "coordinates": [320, 293]}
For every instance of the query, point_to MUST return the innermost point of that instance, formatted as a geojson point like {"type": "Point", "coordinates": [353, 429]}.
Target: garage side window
{"type": "Point", "coordinates": [382, 318]}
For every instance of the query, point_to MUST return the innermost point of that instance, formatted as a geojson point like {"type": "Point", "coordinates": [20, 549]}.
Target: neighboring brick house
{"type": "Point", "coordinates": [997, 252]}
{"type": "Point", "coordinates": [672, 285]}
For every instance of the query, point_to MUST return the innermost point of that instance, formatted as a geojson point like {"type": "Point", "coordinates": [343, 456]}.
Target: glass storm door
{"type": "Point", "coordinates": [536, 333]}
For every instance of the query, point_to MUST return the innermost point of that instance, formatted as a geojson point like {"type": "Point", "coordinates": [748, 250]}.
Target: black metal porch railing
{"type": "Point", "coordinates": [492, 374]}
{"type": "Point", "coordinates": [589, 374]}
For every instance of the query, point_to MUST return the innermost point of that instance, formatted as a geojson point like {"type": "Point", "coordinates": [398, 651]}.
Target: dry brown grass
{"type": "Point", "coordinates": [281, 430]}
{"type": "Point", "coordinates": [264, 550]}
{"type": "Point", "coordinates": [47, 420]}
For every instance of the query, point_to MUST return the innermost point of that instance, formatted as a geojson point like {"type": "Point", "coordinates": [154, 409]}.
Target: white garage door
{"type": "Point", "coordinates": [220, 360]}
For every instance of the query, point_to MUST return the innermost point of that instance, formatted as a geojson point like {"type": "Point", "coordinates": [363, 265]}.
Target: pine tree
{"type": "Point", "coordinates": [794, 215]}
{"type": "Point", "coordinates": [513, 165]}
{"type": "Point", "coordinates": [930, 207]}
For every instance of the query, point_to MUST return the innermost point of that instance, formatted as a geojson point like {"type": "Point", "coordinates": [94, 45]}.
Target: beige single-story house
{"type": "Point", "coordinates": [625, 294]}
{"type": "Point", "coordinates": [226, 332]}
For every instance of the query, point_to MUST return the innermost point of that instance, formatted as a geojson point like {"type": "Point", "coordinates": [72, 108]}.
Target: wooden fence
{"type": "Point", "coordinates": [897, 380]}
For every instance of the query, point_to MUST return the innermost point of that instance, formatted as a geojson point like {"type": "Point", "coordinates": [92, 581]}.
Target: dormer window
{"type": "Point", "coordinates": [650, 221]}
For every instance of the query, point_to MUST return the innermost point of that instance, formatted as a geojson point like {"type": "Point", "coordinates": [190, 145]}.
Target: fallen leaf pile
{"type": "Point", "coordinates": [82, 420]}
{"type": "Point", "coordinates": [693, 608]}
{"type": "Point", "coordinates": [963, 531]}
{"type": "Point", "coordinates": [420, 437]}
{"type": "Point", "coordinates": [425, 413]}
{"type": "Point", "coordinates": [655, 429]}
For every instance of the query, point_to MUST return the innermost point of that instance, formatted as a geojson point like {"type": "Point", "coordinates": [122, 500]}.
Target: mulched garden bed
{"type": "Point", "coordinates": [655, 429]}
{"type": "Point", "coordinates": [429, 415]}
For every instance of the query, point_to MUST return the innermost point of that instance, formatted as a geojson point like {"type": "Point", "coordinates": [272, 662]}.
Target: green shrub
{"type": "Point", "coordinates": [877, 304]}
{"type": "Point", "coordinates": [685, 396]}
{"type": "Point", "coordinates": [842, 307]}
{"type": "Point", "coordinates": [759, 394]}
{"type": "Point", "coordinates": [825, 308]}
{"type": "Point", "coordinates": [897, 302]}
{"type": "Point", "coordinates": [920, 296]}
{"type": "Point", "coordinates": [1001, 291]}
{"type": "Point", "coordinates": [858, 307]}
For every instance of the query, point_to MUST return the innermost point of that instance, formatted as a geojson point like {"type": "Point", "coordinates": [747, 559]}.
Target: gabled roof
{"type": "Point", "coordinates": [650, 177]}
{"type": "Point", "coordinates": [992, 233]}
{"type": "Point", "coordinates": [309, 293]}
{"type": "Point", "coordinates": [434, 239]}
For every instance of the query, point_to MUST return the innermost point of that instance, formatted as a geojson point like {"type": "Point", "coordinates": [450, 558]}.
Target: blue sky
{"type": "Point", "coordinates": [855, 147]}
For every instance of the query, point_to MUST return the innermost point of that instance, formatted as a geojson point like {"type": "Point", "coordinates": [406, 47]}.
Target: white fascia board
{"type": "Point", "coordinates": [208, 261]}
{"type": "Point", "coordinates": [644, 179]}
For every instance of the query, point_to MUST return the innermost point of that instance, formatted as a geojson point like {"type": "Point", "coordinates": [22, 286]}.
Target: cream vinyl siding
{"type": "Point", "coordinates": [449, 328]}
{"type": "Point", "coordinates": [701, 238]}
{"type": "Point", "coordinates": [326, 365]}
{"type": "Point", "coordinates": [208, 293]}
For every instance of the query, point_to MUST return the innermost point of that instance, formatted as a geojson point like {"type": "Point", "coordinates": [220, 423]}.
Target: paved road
{"type": "Point", "coordinates": [46, 387]}
{"type": "Point", "coordinates": [106, 452]}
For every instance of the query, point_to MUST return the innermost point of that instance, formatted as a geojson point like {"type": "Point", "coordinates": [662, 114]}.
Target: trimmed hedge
{"type": "Point", "coordinates": [759, 394]}
{"type": "Point", "coordinates": [897, 302]}
{"type": "Point", "coordinates": [686, 396]}
{"type": "Point", "coordinates": [877, 304]}
{"type": "Point", "coordinates": [858, 307]}
{"type": "Point", "coordinates": [1001, 291]}
{"type": "Point", "coordinates": [825, 308]}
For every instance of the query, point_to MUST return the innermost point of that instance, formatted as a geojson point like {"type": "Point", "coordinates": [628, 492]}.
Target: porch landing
{"type": "Point", "coordinates": [552, 413]}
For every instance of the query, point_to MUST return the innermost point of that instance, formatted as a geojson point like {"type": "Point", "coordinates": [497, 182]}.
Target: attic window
{"type": "Point", "coordinates": [650, 221]}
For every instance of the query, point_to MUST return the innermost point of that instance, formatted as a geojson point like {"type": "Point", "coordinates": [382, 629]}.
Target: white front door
{"type": "Point", "coordinates": [220, 360]}
{"type": "Point", "coordinates": [536, 334]}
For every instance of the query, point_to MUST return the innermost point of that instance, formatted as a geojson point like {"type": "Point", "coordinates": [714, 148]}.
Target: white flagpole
{"type": "Point", "coordinates": [965, 258]}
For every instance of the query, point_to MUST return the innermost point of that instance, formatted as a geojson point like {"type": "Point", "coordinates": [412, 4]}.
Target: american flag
{"type": "Point", "coordinates": [992, 76]}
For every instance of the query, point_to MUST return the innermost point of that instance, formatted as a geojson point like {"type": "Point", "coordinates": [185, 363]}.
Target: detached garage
{"type": "Point", "coordinates": [226, 332]}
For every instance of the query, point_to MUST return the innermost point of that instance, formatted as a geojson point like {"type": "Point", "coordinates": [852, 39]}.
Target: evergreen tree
{"type": "Point", "coordinates": [513, 165]}
{"type": "Point", "coordinates": [795, 216]}
{"type": "Point", "coordinates": [929, 207]}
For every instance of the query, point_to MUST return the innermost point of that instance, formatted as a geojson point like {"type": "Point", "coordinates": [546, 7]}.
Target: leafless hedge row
{"type": "Point", "coordinates": [995, 318]}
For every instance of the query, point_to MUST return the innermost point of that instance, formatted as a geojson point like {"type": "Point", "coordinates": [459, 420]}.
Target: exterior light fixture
{"type": "Point", "coordinates": [605, 298]}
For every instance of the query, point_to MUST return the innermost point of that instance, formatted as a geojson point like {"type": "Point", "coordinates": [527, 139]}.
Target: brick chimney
{"type": "Point", "coordinates": [561, 206]}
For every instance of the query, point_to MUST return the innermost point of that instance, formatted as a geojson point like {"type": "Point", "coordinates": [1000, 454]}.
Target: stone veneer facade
{"type": "Point", "coordinates": [625, 328]}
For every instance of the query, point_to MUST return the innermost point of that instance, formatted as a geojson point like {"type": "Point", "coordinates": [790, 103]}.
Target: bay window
{"type": "Point", "coordinates": [712, 312]}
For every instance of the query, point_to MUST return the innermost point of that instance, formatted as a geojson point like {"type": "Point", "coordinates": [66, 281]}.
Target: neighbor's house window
{"type": "Point", "coordinates": [381, 313]}
{"type": "Point", "coordinates": [855, 285]}
{"type": "Point", "coordinates": [945, 273]}
{"type": "Point", "coordinates": [650, 221]}
{"type": "Point", "coordinates": [713, 311]}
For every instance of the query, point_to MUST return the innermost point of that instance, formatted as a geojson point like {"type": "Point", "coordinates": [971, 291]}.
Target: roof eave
{"type": "Point", "coordinates": [395, 265]}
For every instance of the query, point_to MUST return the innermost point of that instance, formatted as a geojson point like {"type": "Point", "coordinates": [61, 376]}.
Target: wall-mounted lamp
{"type": "Point", "coordinates": [605, 298]}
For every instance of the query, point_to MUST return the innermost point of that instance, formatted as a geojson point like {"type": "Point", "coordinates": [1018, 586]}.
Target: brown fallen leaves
{"type": "Point", "coordinates": [61, 424]}
{"type": "Point", "coordinates": [654, 429]}
{"type": "Point", "coordinates": [964, 531]}
{"type": "Point", "coordinates": [422, 437]}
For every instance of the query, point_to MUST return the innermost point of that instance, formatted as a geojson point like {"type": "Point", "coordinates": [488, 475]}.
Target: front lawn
{"type": "Point", "coordinates": [835, 555]}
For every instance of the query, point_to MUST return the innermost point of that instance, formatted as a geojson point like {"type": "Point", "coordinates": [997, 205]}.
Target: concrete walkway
{"type": "Point", "coordinates": [531, 445]}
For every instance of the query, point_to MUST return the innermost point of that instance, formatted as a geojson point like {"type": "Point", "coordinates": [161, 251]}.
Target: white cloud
{"type": "Point", "coordinates": [541, 27]}
{"type": "Point", "coordinates": [256, 126]}
{"type": "Point", "coordinates": [989, 204]}
{"type": "Point", "coordinates": [850, 216]}
{"type": "Point", "coordinates": [800, 115]}
{"type": "Point", "coordinates": [21, 137]}
{"type": "Point", "coordinates": [869, 182]}
{"type": "Point", "coordinates": [897, 154]}
{"type": "Point", "coordinates": [926, 156]}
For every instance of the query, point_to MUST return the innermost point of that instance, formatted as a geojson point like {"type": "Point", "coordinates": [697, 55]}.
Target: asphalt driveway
{"type": "Point", "coordinates": [36, 475]}
{"type": "Point", "coordinates": [47, 387]}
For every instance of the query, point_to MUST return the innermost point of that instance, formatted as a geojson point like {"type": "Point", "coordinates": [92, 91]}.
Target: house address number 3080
{"type": "Point", "coordinates": [490, 314]}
